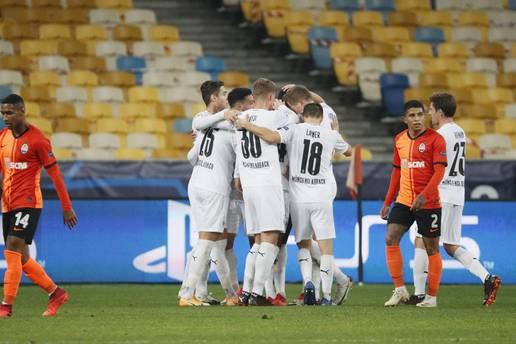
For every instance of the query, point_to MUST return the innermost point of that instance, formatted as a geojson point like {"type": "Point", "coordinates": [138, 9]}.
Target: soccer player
{"type": "Point", "coordinates": [312, 190]}
{"type": "Point", "coordinates": [208, 191]}
{"type": "Point", "coordinates": [418, 168]}
{"type": "Point", "coordinates": [442, 109]}
{"type": "Point", "coordinates": [25, 150]}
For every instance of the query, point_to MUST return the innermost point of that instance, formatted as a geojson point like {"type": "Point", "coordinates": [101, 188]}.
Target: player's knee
{"type": "Point", "coordinates": [392, 239]}
{"type": "Point", "coordinates": [15, 244]}
{"type": "Point", "coordinates": [450, 249]}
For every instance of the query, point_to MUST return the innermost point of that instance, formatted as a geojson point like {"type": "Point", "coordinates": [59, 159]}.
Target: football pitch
{"type": "Point", "coordinates": [123, 313]}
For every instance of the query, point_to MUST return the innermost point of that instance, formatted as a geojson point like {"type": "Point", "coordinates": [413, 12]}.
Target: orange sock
{"type": "Point", "coordinates": [435, 268]}
{"type": "Point", "coordinates": [38, 276]}
{"type": "Point", "coordinates": [395, 264]}
{"type": "Point", "coordinates": [12, 275]}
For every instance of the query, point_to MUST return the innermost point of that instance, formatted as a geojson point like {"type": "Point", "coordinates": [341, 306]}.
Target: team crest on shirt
{"type": "Point", "coordinates": [24, 148]}
{"type": "Point", "coordinates": [422, 148]}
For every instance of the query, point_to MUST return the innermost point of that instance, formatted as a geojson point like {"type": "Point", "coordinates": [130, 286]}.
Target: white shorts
{"type": "Point", "coordinates": [286, 200]}
{"type": "Point", "coordinates": [312, 218]}
{"type": "Point", "coordinates": [235, 215]}
{"type": "Point", "coordinates": [264, 209]}
{"type": "Point", "coordinates": [451, 223]}
{"type": "Point", "coordinates": [208, 210]}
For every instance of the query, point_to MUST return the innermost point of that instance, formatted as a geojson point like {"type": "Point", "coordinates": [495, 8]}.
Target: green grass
{"type": "Point", "coordinates": [149, 314]}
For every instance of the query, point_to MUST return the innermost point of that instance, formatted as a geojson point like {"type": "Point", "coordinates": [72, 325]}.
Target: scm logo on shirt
{"type": "Point", "coordinates": [17, 165]}
{"type": "Point", "coordinates": [412, 164]}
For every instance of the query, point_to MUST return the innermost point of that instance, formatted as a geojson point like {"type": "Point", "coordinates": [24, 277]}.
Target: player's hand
{"type": "Point", "coordinates": [238, 184]}
{"type": "Point", "coordinates": [335, 124]}
{"type": "Point", "coordinates": [384, 213]}
{"type": "Point", "coordinates": [241, 123]}
{"type": "Point", "coordinates": [231, 115]}
{"type": "Point", "coordinates": [287, 87]}
{"type": "Point", "coordinates": [69, 218]}
{"type": "Point", "coordinates": [418, 203]}
{"type": "Point", "coordinates": [193, 134]}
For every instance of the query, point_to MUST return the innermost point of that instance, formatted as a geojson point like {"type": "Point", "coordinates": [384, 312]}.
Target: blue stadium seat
{"type": "Point", "coordinates": [136, 65]}
{"type": "Point", "coordinates": [183, 125]}
{"type": "Point", "coordinates": [4, 92]}
{"type": "Point", "coordinates": [380, 5]}
{"type": "Point", "coordinates": [392, 87]}
{"type": "Point", "coordinates": [320, 40]}
{"type": "Point", "coordinates": [512, 5]}
{"type": "Point", "coordinates": [349, 6]}
{"type": "Point", "coordinates": [432, 35]}
{"type": "Point", "coordinates": [210, 64]}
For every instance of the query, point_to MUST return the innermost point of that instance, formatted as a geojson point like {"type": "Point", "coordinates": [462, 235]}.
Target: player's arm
{"type": "Point", "coordinates": [342, 147]}
{"type": "Point", "coordinates": [270, 136]}
{"type": "Point", "coordinates": [315, 97]}
{"type": "Point", "coordinates": [394, 185]}
{"type": "Point", "coordinates": [221, 120]}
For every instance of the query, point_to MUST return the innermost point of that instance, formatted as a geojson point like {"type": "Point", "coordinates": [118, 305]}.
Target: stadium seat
{"type": "Point", "coordinates": [150, 125]}
{"type": "Point", "coordinates": [502, 18]}
{"type": "Point", "coordinates": [492, 50]}
{"type": "Point", "coordinates": [44, 78]}
{"type": "Point", "coordinates": [11, 78]}
{"type": "Point", "coordinates": [72, 48]}
{"type": "Point", "coordinates": [494, 143]}
{"type": "Point", "coordinates": [234, 79]}
{"type": "Point", "coordinates": [42, 124]}
{"type": "Point", "coordinates": [46, 3]}
{"type": "Point", "coordinates": [391, 34]}
{"type": "Point", "coordinates": [118, 79]}
{"type": "Point", "coordinates": [501, 35]}
{"type": "Point", "coordinates": [321, 39]}
{"type": "Point", "coordinates": [145, 141]}
{"type": "Point", "coordinates": [107, 17]}
{"type": "Point", "coordinates": [148, 49]}
{"type": "Point", "coordinates": [494, 96]}
{"type": "Point", "coordinates": [344, 55]}
{"type": "Point", "coordinates": [95, 154]}
{"type": "Point", "coordinates": [37, 94]}
{"type": "Point", "coordinates": [444, 65]}
{"type": "Point", "coordinates": [112, 125]}
{"type": "Point", "coordinates": [127, 33]}
{"type": "Point", "coordinates": [173, 63]}
{"type": "Point", "coordinates": [74, 16]}
{"type": "Point", "coordinates": [144, 94]}
{"type": "Point", "coordinates": [380, 5]}
{"type": "Point", "coordinates": [505, 126]}
{"type": "Point", "coordinates": [186, 48]}
{"type": "Point", "coordinates": [418, 93]}
{"type": "Point", "coordinates": [116, 4]}
{"type": "Point", "coordinates": [345, 5]}
{"type": "Point", "coordinates": [376, 49]}
{"type": "Point", "coordinates": [466, 34]}
{"type": "Point", "coordinates": [16, 31]}
{"type": "Point", "coordinates": [140, 17]}
{"type": "Point", "coordinates": [333, 18]}
{"type": "Point", "coordinates": [71, 94]}
{"type": "Point", "coordinates": [171, 110]}
{"type": "Point", "coordinates": [313, 5]}
{"type": "Point", "coordinates": [62, 154]}
{"type": "Point", "coordinates": [507, 80]}
{"type": "Point", "coordinates": [104, 140]}
{"type": "Point", "coordinates": [510, 111]}
{"type": "Point", "coordinates": [474, 18]}
{"type": "Point", "coordinates": [482, 64]}
{"type": "Point", "coordinates": [19, 63]}
{"type": "Point", "coordinates": [447, 5]}
{"type": "Point", "coordinates": [94, 64]}
{"type": "Point", "coordinates": [430, 35]}
{"type": "Point", "coordinates": [32, 110]}
{"type": "Point", "coordinates": [13, 3]}
{"type": "Point", "coordinates": [413, 5]}
{"type": "Point", "coordinates": [38, 48]}
{"type": "Point", "coordinates": [138, 110]}
{"type": "Point", "coordinates": [392, 87]}
{"type": "Point", "coordinates": [212, 65]}
{"type": "Point", "coordinates": [57, 110]}
{"type": "Point", "coordinates": [29, 15]}
{"type": "Point", "coordinates": [178, 141]}
{"type": "Point", "coordinates": [72, 125]}
{"type": "Point", "coordinates": [6, 48]}
{"type": "Point", "coordinates": [298, 17]}
{"type": "Point", "coordinates": [436, 19]}
{"type": "Point", "coordinates": [92, 111]}
{"type": "Point", "coordinates": [486, 4]}
{"type": "Point", "coordinates": [509, 65]}
{"type": "Point", "coordinates": [180, 94]}
{"type": "Point", "coordinates": [274, 22]}
{"type": "Point", "coordinates": [57, 64]}
{"type": "Point", "coordinates": [107, 94]}
{"type": "Point", "coordinates": [433, 80]}
{"type": "Point", "coordinates": [159, 79]}
{"type": "Point", "coordinates": [453, 50]}
{"type": "Point", "coordinates": [54, 32]}
{"type": "Point", "coordinates": [132, 64]}
{"type": "Point", "coordinates": [82, 78]}
{"type": "Point", "coordinates": [367, 18]}
{"type": "Point", "coordinates": [360, 35]}
{"type": "Point", "coordinates": [297, 37]}
{"type": "Point", "coordinates": [130, 154]}
{"type": "Point", "coordinates": [168, 154]}
{"type": "Point", "coordinates": [409, 66]}
{"type": "Point", "coordinates": [4, 91]}
{"type": "Point", "coordinates": [65, 140]}
{"type": "Point", "coordinates": [183, 125]}
{"type": "Point", "coordinates": [463, 96]}
{"type": "Point", "coordinates": [415, 49]}
{"type": "Point", "coordinates": [403, 18]}
{"type": "Point", "coordinates": [369, 70]}
{"type": "Point", "coordinates": [480, 111]}
{"type": "Point", "coordinates": [91, 32]}
{"type": "Point", "coordinates": [467, 80]}
{"type": "Point", "coordinates": [472, 127]}
{"type": "Point", "coordinates": [163, 33]}
{"type": "Point", "coordinates": [110, 48]}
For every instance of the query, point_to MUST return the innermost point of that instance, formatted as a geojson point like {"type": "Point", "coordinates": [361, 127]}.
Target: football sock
{"type": "Point", "coordinates": [265, 258]}
{"type": "Point", "coordinates": [435, 268]}
{"type": "Point", "coordinates": [250, 261]}
{"type": "Point", "coordinates": [233, 273]}
{"type": "Point", "coordinates": [340, 277]}
{"type": "Point", "coordinates": [201, 288]}
{"type": "Point", "coordinates": [187, 268]}
{"type": "Point", "coordinates": [420, 270]}
{"type": "Point", "coordinates": [395, 264]}
{"type": "Point", "coordinates": [198, 262]}
{"type": "Point", "coordinates": [219, 261]}
{"type": "Point", "coordinates": [326, 275]}
{"type": "Point", "coordinates": [269, 288]}
{"type": "Point", "coordinates": [471, 263]}
{"type": "Point", "coordinates": [305, 264]}
{"type": "Point", "coordinates": [279, 271]}
{"type": "Point", "coordinates": [38, 276]}
{"type": "Point", "coordinates": [12, 275]}
{"type": "Point", "coordinates": [316, 278]}
{"type": "Point", "coordinates": [315, 251]}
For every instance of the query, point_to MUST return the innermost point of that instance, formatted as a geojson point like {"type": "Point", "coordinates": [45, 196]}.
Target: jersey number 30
{"type": "Point", "coordinates": [251, 145]}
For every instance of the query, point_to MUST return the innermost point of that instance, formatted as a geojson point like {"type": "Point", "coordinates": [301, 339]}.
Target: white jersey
{"type": "Point", "coordinates": [258, 161]}
{"type": "Point", "coordinates": [311, 151]}
{"type": "Point", "coordinates": [328, 116]}
{"type": "Point", "coordinates": [451, 188]}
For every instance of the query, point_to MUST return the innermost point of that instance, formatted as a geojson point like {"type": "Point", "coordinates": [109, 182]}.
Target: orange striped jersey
{"type": "Point", "coordinates": [416, 158]}
{"type": "Point", "coordinates": [22, 160]}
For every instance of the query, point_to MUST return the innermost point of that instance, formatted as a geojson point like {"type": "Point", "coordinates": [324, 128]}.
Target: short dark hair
{"type": "Point", "coordinates": [238, 94]}
{"type": "Point", "coordinates": [208, 88]}
{"type": "Point", "coordinates": [313, 110]}
{"type": "Point", "coordinates": [13, 99]}
{"type": "Point", "coordinates": [413, 104]}
{"type": "Point", "coordinates": [444, 102]}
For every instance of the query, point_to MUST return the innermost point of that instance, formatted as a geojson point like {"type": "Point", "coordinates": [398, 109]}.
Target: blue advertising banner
{"type": "Point", "coordinates": [147, 241]}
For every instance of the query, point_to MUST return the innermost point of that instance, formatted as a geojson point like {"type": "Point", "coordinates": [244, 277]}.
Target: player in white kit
{"type": "Point", "coordinates": [451, 190]}
{"type": "Point", "coordinates": [312, 190]}
{"type": "Point", "coordinates": [208, 191]}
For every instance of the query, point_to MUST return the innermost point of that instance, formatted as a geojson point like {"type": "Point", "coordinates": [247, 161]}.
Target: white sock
{"type": "Point", "coordinates": [326, 275]}
{"type": "Point", "coordinates": [315, 251]}
{"type": "Point", "coordinates": [279, 271]}
{"type": "Point", "coordinates": [305, 264]}
{"type": "Point", "coordinates": [471, 263]}
{"type": "Point", "coordinates": [187, 268]}
{"type": "Point", "coordinates": [316, 278]}
{"type": "Point", "coordinates": [269, 288]}
{"type": "Point", "coordinates": [263, 266]}
{"type": "Point", "coordinates": [420, 270]}
{"type": "Point", "coordinates": [219, 261]}
{"type": "Point", "coordinates": [198, 262]}
{"type": "Point", "coordinates": [340, 277]}
{"type": "Point", "coordinates": [201, 288]}
{"type": "Point", "coordinates": [250, 262]}
{"type": "Point", "coordinates": [233, 273]}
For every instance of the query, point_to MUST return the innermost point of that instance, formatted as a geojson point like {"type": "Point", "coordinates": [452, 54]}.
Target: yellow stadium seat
{"type": "Point", "coordinates": [14, 31]}
{"type": "Point", "coordinates": [75, 16]}
{"type": "Point", "coordinates": [119, 79]}
{"type": "Point", "coordinates": [164, 33]}
{"type": "Point", "coordinates": [482, 111]}
{"type": "Point", "coordinates": [171, 110]}
{"type": "Point", "coordinates": [19, 63]}
{"type": "Point", "coordinates": [144, 94]}
{"type": "Point", "coordinates": [454, 50]}
{"type": "Point", "coordinates": [416, 49]}
{"type": "Point", "coordinates": [135, 110]}
{"type": "Point", "coordinates": [366, 154]}
{"type": "Point", "coordinates": [162, 154]}
{"type": "Point", "coordinates": [91, 63]}
{"type": "Point", "coordinates": [472, 127]}
{"type": "Point", "coordinates": [93, 111]}
{"type": "Point", "coordinates": [403, 18]}
{"type": "Point", "coordinates": [12, 3]}
{"type": "Point", "coordinates": [513, 50]}
{"type": "Point", "coordinates": [62, 154]}
{"type": "Point", "coordinates": [130, 154]}
{"type": "Point", "coordinates": [82, 78]}
{"type": "Point", "coordinates": [112, 125]}
{"type": "Point", "coordinates": [360, 35]}
{"type": "Point", "coordinates": [433, 80]}
{"type": "Point", "coordinates": [333, 18]}
{"type": "Point", "coordinates": [413, 5]}
{"type": "Point", "coordinates": [149, 125]}
{"type": "Point", "coordinates": [462, 96]}
{"type": "Point", "coordinates": [298, 18]}
{"type": "Point", "coordinates": [507, 80]}
{"type": "Point", "coordinates": [56, 110]}
{"type": "Point", "coordinates": [341, 50]}
{"type": "Point", "coordinates": [274, 21]}
{"type": "Point", "coordinates": [72, 48]}
{"type": "Point", "coordinates": [490, 49]}
{"type": "Point", "coordinates": [54, 32]}
{"type": "Point", "coordinates": [234, 79]}
{"type": "Point", "coordinates": [81, 3]}
{"type": "Point", "coordinates": [297, 36]}
{"type": "Point", "coordinates": [29, 15]}
{"type": "Point", "coordinates": [474, 18]}
{"type": "Point", "coordinates": [344, 55]}
{"type": "Point", "coordinates": [391, 34]}
{"type": "Point", "coordinates": [467, 80]}
{"type": "Point", "coordinates": [505, 126]}
{"type": "Point", "coordinates": [384, 50]}
{"type": "Point", "coordinates": [473, 152]}
{"type": "Point", "coordinates": [367, 18]}
{"type": "Point", "coordinates": [90, 32]}
{"type": "Point", "coordinates": [38, 48]}
{"type": "Point", "coordinates": [178, 141]}
{"type": "Point", "coordinates": [38, 94]}
{"type": "Point", "coordinates": [127, 33]}
{"type": "Point", "coordinates": [72, 125]}
{"type": "Point", "coordinates": [446, 65]}
{"type": "Point", "coordinates": [117, 4]}
{"type": "Point", "coordinates": [493, 96]}
{"type": "Point", "coordinates": [32, 109]}
{"type": "Point", "coordinates": [435, 18]}
{"type": "Point", "coordinates": [45, 78]}
{"type": "Point", "coordinates": [198, 107]}
{"type": "Point", "coordinates": [419, 93]}
{"type": "Point", "coordinates": [42, 124]}
{"type": "Point", "coordinates": [266, 5]}
{"type": "Point", "coordinates": [46, 3]}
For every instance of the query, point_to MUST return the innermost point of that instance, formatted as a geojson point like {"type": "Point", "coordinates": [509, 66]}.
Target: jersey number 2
{"type": "Point", "coordinates": [314, 160]}
{"type": "Point", "coordinates": [24, 221]}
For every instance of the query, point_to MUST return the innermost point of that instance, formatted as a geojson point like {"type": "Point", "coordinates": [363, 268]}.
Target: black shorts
{"type": "Point", "coordinates": [21, 223]}
{"type": "Point", "coordinates": [428, 220]}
